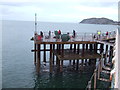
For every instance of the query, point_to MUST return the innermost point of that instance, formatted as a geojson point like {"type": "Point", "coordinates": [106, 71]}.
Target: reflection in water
{"type": "Point", "coordinates": [69, 78]}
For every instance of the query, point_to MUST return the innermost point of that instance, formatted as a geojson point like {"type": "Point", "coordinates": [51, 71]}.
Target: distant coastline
{"type": "Point", "coordinates": [104, 21]}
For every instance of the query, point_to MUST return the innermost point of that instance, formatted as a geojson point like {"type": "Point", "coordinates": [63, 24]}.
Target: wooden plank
{"type": "Point", "coordinates": [105, 80]}
{"type": "Point", "coordinates": [40, 50]}
{"type": "Point", "coordinates": [76, 56]}
{"type": "Point", "coordinates": [107, 43]}
{"type": "Point", "coordinates": [75, 42]}
{"type": "Point", "coordinates": [104, 71]}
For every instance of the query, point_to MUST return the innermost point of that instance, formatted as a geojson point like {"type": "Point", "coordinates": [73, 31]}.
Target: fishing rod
{"type": "Point", "coordinates": [35, 23]}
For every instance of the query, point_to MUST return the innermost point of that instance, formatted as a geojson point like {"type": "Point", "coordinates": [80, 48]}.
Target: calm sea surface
{"type": "Point", "coordinates": [18, 70]}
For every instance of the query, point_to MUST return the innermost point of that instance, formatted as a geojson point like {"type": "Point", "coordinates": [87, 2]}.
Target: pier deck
{"type": "Point", "coordinates": [80, 48]}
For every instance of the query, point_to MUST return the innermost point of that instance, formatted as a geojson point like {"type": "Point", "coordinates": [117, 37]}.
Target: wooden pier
{"type": "Point", "coordinates": [76, 51]}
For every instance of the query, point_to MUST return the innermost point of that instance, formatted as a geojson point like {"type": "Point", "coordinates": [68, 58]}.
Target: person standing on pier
{"type": "Point", "coordinates": [106, 34]}
{"type": "Point", "coordinates": [41, 34]}
{"type": "Point", "coordinates": [99, 34]}
{"type": "Point", "coordinates": [74, 34]}
{"type": "Point", "coordinates": [59, 32]}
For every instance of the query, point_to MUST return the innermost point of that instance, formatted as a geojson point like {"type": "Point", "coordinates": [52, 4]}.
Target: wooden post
{"type": "Point", "coordinates": [71, 50]}
{"type": "Point", "coordinates": [99, 70]}
{"type": "Point", "coordinates": [38, 58]}
{"type": "Point", "coordinates": [62, 54]}
{"type": "Point", "coordinates": [51, 58]}
{"type": "Point", "coordinates": [95, 79]}
{"type": "Point", "coordinates": [78, 50]}
{"type": "Point", "coordinates": [83, 50]}
{"type": "Point", "coordinates": [44, 59]}
{"type": "Point", "coordinates": [53, 53]}
{"type": "Point", "coordinates": [35, 54]}
{"type": "Point", "coordinates": [95, 50]}
{"type": "Point", "coordinates": [91, 49]}
{"type": "Point", "coordinates": [86, 50]}
{"type": "Point", "coordinates": [74, 52]}
{"type": "Point", "coordinates": [106, 53]}
{"type": "Point", "coordinates": [101, 48]}
{"type": "Point", "coordinates": [59, 52]}
{"type": "Point", "coordinates": [56, 56]}
{"type": "Point", "coordinates": [111, 54]}
{"type": "Point", "coordinates": [62, 50]}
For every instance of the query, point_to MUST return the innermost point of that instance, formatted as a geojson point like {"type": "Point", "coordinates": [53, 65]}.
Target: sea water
{"type": "Point", "coordinates": [18, 69]}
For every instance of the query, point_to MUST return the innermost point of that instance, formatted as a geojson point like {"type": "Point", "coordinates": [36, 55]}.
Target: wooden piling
{"type": "Point", "coordinates": [78, 50]}
{"type": "Point", "coordinates": [83, 50]}
{"type": "Point", "coordinates": [44, 56]}
{"type": "Point", "coordinates": [95, 47]}
{"type": "Point", "coordinates": [95, 82]}
{"type": "Point", "coordinates": [62, 54]}
{"type": "Point", "coordinates": [95, 51]}
{"type": "Point", "coordinates": [57, 57]}
{"type": "Point", "coordinates": [106, 53]}
{"type": "Point", "coordinates": [71, 50]}
{"type": "Point", "coordinates": [110, 53]}
{"type": "Point", "coordinates": [59, 52]}
{"type": "Point", "coordinates": [101, 48]}
{"type": "Point", "coordinates": [86, 49]}
{"type": "Point", "coordinates": [35, 54]}
{"type": "Point", "coordinates": [53, 53]}
{"type": "Point", "coordinates": [91, 49]}
{"type": "Point", "coordinates": [38, 58]}
{"type": "Point", "coordinates": [98, 72]}
{"type": "Point", "coordinates": [74, 52]}
{"type": "Point", "coordinates": [51, 58]}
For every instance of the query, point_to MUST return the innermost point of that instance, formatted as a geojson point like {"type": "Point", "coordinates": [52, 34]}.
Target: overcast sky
{"type": "Point", "coordinates": [58, 10]}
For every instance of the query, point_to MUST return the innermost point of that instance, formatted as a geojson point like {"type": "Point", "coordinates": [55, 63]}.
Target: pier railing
{"type": "Point", "coordinates": [92, 83]}
{"type": "Point", "coordinates": [80, 36]}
